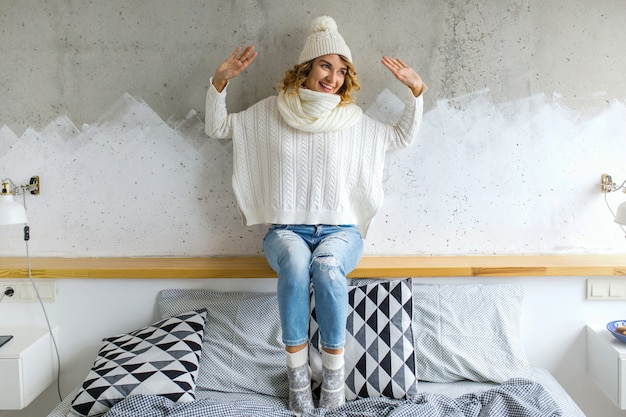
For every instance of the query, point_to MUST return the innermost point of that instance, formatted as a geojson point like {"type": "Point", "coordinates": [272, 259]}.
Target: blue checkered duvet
{"type": "Point", "coordinates": [514, 398]}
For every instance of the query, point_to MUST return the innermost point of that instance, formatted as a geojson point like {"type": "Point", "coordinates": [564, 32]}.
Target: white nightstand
{"type": "Point", "coordinates": [606, 363]}
{"type": "Point", "coordinates": [27, 366]}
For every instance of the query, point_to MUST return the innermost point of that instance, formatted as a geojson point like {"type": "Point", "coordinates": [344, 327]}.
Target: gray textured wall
{"type": "Point", "coordinates": [75, 58]}
{"type": "Point", "coordinates": [105, 101]}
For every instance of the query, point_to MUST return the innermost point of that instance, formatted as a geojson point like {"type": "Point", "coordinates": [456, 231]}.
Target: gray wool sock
{"type": "Point", "coordinates": [333, 380]}
{"type": "Point", "coordinates": [299, 375]}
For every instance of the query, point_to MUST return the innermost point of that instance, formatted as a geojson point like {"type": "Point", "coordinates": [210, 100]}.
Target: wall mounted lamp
{"type": "Point", "coordinates": [608, 186]}
{"type": "Point", "coordinates": [12, 212]}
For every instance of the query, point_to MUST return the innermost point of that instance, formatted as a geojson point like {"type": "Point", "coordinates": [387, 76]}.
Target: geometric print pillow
{"type": "Point", "coordinates": [161, 359]}
{"type": "Point", "coordinates": [379, 352]}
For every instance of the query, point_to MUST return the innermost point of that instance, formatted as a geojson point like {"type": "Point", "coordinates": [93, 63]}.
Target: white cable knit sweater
{"type": "Point", "coordinates": [287, 176]}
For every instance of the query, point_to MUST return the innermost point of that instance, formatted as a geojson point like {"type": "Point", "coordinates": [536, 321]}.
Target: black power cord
{"type": "Point", "coordinates": [43, 308]}
{"type": "Point", "coordinates": [9, 292]}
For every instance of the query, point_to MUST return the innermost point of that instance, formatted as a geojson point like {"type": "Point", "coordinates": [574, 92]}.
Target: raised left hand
{"type": "Point", "coordinates": [405, 74]}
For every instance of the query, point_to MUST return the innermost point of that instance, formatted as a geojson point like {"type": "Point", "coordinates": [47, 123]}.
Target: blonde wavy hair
{"type": "Point", "coordinates": [296, 77]}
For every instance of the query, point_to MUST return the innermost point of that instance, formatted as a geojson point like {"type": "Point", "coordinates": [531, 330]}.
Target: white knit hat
{"type": "Point", "coordinates": [324, 40]}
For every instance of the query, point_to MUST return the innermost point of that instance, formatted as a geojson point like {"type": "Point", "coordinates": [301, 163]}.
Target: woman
{"type": "Point", "coordinates": [310, 163]}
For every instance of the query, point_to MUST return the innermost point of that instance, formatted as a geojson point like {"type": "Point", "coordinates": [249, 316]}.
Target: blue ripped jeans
{"type": "Point", "coordinates": [321, 255]}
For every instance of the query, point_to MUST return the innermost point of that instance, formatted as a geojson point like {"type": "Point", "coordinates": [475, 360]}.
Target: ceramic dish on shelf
{"type": "Point", "coordinates": [615, 328]}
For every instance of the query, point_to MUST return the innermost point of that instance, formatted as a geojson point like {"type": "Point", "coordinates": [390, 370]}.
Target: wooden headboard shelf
{"type": "Point", "coordinates": [370, 266]}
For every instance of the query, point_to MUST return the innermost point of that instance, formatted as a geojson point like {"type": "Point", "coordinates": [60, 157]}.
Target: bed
{"type": "Point", "coordinates": [411, 349]}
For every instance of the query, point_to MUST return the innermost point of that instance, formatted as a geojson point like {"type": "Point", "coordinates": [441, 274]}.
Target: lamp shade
{"type": "Point", "coordinates": [12, 212]}
{"type": "Point", "coordinates": [620, 214]}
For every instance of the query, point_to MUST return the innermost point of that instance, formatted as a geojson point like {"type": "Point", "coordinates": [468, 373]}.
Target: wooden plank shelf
{"type": "Point", "coordinates": [369, 267]}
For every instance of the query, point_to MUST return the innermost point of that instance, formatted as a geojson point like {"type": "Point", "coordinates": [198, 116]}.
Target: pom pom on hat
{"type": "Point", "coordinates": [324, 40]}
{"type": "Point", "coordinates": [323, 23]}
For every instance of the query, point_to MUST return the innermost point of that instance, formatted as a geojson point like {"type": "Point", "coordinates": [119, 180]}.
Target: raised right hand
{"type": "Point", "coordinates": [233, 66]}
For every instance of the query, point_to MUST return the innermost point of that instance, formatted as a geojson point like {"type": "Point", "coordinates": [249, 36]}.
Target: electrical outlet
{"type": "Point", "coordinates": [23, 291]}
{"type": "Point", "coordinates": [606, 289]}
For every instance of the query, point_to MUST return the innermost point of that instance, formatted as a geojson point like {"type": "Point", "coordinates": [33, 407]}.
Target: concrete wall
{"type": "Point", "coordinates": [75, 58]}
{"type": "Point", "coordinates": [105, 101]}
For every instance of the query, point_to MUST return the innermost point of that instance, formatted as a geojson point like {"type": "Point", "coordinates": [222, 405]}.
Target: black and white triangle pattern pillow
{"type": "Point", "coordinates": [161, 359]}
{"type": "Point", "coordinates": [379, 352]}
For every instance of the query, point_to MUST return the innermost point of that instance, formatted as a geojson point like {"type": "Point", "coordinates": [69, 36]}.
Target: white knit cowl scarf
{"type": "Point", "coordinates": [312, 111]}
